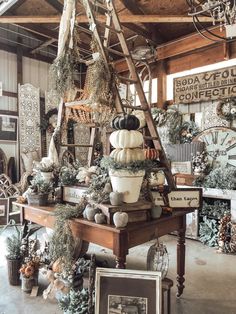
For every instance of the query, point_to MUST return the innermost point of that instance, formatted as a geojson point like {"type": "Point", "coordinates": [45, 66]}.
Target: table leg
{"type": "Point", "coordinates": [180, 262]}
{"type": "Point", "coordinates": [121, 262]}
{"type": "Point", "coordinates": [181, 258]}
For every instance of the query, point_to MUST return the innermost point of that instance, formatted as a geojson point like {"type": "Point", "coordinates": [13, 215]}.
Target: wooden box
{"type": "Point", "coordinates": [184, 179]}
{"type": "Point", "coordinates": [137, 212]}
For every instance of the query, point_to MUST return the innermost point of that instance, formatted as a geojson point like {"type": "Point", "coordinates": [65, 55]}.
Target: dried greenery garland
{"type": "Point", "coordinates": [62, 70]}
{"type": "Point", "coordinates": [62, 244]}
{"type": "Point", "coordinates": [208, 231]}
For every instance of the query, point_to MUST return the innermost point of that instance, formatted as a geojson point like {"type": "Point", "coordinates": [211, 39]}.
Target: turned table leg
{"type": "Point", "coordinates": [180, 262]}
{"type": "Point", "coordinates": [121, 262]}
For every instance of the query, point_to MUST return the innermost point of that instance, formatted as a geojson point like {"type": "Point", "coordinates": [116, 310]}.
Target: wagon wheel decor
{"type": "Point", "coordinates": [5, 181]}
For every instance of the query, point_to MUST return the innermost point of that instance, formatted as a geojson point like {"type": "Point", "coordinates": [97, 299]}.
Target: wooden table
{"type": "Point", "coordinates": [120, 240]}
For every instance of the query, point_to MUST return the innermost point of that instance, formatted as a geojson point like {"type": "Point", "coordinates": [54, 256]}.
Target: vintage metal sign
{"type": "Point", "coordinates": [72, 194]}
{"type": "Point", "coordinates": [205, 86]}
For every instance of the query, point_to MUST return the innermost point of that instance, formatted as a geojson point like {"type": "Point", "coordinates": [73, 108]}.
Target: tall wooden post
{"type": "Point", "coordinates": [161, 83]}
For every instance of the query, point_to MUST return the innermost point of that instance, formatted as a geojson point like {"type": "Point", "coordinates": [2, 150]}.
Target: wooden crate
{"type": "Point", "coordinates": [137, 212]}
{"type": "Point", "coordinates": [184, 179]}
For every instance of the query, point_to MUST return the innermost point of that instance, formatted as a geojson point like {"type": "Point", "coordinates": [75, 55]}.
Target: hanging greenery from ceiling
{"type": "Point", "coordinates": [65, 65]}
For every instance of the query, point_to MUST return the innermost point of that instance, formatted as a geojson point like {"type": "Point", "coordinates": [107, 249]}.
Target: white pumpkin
{"type": "Point", "coordinates": [126, 139]}
{"type": "Point", "coordinates": [140, 115]}
{"type": "Point", "coordinates": [127, 155]}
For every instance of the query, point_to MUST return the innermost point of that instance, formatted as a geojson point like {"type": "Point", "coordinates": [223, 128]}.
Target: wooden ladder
{"type": "Point", "coordinates": [113, 25]}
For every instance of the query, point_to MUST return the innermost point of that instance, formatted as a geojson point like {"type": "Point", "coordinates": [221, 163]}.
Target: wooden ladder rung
{"type": "Point", "coordinates": [126, 79]}
{"type": "Point", "coordinates": [134, 107]}
{"type": "Point", "coordinates": [116, 52]}
{"type": "Point", "coordinates": [100, 5]}
{"type": "Point", "coordinates": [112, 29]}
{"type": "Point", "coordinates": [76, 145]}
{"type": "Point", "coordinates": [150, 138]}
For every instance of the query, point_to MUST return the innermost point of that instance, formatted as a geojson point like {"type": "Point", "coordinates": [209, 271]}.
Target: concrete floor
{"type": "Point", "coordinates": [210, 286]}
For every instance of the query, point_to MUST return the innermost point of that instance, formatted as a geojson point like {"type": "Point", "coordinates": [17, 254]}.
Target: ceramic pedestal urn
{"type": "Point", "coordinates": [127, 141]}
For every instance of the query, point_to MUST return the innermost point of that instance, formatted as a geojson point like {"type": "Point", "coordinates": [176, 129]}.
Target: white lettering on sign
{"type": "Point", "coordinates": [205, 86]}
{"type": "Point", "coordinates": [185, 199]}
{"type": "Point", "coordinates": [73, 194]}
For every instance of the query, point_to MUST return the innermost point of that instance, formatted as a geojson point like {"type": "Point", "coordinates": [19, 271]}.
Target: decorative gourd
{"type": "Point", "coordinates": [151, 153]}
{"type": "Point", "coordinates": [116, 198]}
{"type": "Point", "coordinates": [140, 115]}
{"type": "Point", "coordinates": [127, 122]}
{"type": "Point", "coordinates": [100, 218]}
{"type": "Point", "coordinates": [90, 212]}
{"type": "Point", "coordinates": [120, 219]}
{"type": "Point", "coordinates": [126, 139]}
{"type": "Point", "coordinates": [127, 155]}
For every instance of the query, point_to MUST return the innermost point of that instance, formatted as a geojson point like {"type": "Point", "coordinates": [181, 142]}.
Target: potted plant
{"type": "Point", "coordinates": [45, 168]}
{"type": "Point", "coordinates": [14, 257]}
{"type": "Point", "coordinates": [38, 191]}
{"type": "Point", "coordinates": [127, 162]}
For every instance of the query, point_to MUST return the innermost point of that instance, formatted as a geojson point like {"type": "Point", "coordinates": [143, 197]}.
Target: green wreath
{"type": "Point", "coordinates": [45, 124]}
{"type": "Point", "coordinates": [230, 114]}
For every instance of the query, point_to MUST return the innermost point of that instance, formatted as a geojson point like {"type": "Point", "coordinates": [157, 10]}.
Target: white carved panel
{"type": "Point", "coordinates": [210, 118]}
{"type": "Point", "coordinates": [29, 113]}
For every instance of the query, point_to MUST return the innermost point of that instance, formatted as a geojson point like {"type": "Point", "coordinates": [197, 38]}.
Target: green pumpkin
{"type": "Point", "coordinates": [126, 122]}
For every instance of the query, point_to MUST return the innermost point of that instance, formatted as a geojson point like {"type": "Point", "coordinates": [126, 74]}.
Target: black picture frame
{"type": "Point", "coordinates": [8, 128]}
{"type": "Point", "coordinates": [119, 290]}
{"type": "Point", "coordinates": [3, 211]}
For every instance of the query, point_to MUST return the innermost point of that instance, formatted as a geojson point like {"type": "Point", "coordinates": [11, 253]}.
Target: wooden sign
{"type": "Point", "coordinates": [185, 198]}
{"type": "Point", "coordinates": [72, 194]}
{"type": "Point", "coordinates": [205, 86]}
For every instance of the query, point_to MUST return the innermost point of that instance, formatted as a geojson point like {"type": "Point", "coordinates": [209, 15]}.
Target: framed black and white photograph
{"type": "Point", "coordinates": [122, 291]}
{"type": "Point", "coordinates": [8, 128]}
{"type": "Point", "coordinates": [3, 211]}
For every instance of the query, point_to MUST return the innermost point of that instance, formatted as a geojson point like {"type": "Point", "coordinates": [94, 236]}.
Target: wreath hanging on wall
{"type": "Point", "coordinates": [226, 109]}
{"type": "Point", "coordinates": [47, 124]}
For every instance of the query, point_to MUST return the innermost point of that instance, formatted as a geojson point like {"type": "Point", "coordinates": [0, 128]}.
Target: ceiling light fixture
{"type": "Point", "coordinates": [223, 14]}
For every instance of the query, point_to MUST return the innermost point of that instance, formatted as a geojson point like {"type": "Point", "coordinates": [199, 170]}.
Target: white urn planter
{"type": "Point", "coordinates": [128, 183]}
{"type": "Point", "coordinates": [47, 176]}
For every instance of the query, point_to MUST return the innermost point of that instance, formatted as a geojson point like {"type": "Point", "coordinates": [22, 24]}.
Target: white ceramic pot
{"type": "Point", "coordinates": [47, 176]}
{"type": "Point", "coordinates": [128, 183]}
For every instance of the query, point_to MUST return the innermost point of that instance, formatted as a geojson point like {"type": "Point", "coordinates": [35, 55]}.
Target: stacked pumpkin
{"type": "Point", "coordinates": [127, 141]}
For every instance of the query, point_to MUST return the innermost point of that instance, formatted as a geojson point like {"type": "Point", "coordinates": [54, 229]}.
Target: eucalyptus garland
{"type": "Point", "coordinates": [135, 166]}
{"type": "Point", "coordinates": [219, 178]}
{"type": "Point", "coordinates": [75, 302]}
{"type": "Point", "coordinates": [216, 210]}
{"type": "Point", "coordinates": [62, 244]}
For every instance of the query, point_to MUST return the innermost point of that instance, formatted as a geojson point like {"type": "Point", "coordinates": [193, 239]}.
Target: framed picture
{"type": "Point", "coordinates": [181, 167]}
{"type": "Point", "coordinates": [3, 211]}
{"type": "Point", "coordinates": [120, 291]}
{"type": "Point", "coordinates": [8, 128]}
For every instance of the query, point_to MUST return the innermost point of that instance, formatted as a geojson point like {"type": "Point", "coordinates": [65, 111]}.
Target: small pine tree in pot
{"type": "Point", "coordinates": [14, 257]}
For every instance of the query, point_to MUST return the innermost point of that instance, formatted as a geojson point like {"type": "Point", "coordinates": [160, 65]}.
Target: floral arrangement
{"type": "Point", "coordinates": [44, 166]}
{"type": "Point", "coordinates": [32, 260]}
{"type": "Point", "coordinates": [187, 131]}
{"type": "Point", "coordinates": [200, 162]}
{"type": "Point", "coordinates": [226, 109]}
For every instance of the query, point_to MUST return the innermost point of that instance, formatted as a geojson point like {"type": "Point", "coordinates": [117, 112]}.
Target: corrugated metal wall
{"type": "Point", "coordinates": [8, 77]}
{"type": "Point", "coordinates": [34, 72]}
